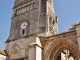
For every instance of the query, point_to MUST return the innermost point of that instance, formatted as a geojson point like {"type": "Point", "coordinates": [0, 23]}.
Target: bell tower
{"type": "Point", "coordinates": [30, 17]}
{"type": "Point", "coordinates": [33, 17]}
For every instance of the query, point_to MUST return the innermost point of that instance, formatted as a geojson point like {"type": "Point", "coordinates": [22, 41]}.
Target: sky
{"type": "Point", "coordinates": [68, 12]}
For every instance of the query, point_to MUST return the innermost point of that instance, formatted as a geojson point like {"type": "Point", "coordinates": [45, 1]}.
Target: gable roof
{"type": "Point", "coordinates": [2, 52]}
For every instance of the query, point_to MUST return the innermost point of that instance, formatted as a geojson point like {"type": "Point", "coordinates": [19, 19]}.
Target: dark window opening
{"type": "Point", "coordinates": [23, 31]}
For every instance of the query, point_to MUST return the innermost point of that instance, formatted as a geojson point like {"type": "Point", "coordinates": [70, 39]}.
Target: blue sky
{"type": "Point", "coordinates": [68, 12]}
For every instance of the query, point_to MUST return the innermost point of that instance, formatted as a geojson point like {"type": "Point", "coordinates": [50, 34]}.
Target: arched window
{"type": "Point", "coordinates": [19, 11]}
{"type": "Point", "coordinates": [14, 52]}
{"type": "Point", "coordinates": [33, 5]}
{"type": "Point", "coordinates": [23, 29]}
{"type": "Point", "coordinates": [30, 6]}
{"type": "Point", "coordinates": [22, 10]}
{"type": "Point", "coordinates": [16, 12]}
{"type": "Point", "coordinates": [27, 7]}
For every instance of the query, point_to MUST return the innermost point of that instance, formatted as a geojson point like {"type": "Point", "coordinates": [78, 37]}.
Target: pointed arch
{"type": "Point", "coordinates": [59, 45]}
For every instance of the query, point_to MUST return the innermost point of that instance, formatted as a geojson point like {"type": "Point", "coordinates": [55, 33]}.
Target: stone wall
{"type": "Point", "coordinates": [19, 49]}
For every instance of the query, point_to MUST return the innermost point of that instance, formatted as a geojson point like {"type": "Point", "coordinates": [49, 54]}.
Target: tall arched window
{"type": "Point", "coordinates": [27, 7]}
{"type": "Point", "coordinates": [19, 11]}
{"type": "Point", "coordinates": [33, 5]}
{"type": "Point", "coordinates": [23, 29]}
{"type": "Point", "coordinates": [30, 6]}
{"type": "Point", "coordinates": [22, 10]}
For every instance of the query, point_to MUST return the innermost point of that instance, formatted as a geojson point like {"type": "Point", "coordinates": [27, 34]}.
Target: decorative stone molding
{"type": "Point", "coordinates": [59, 45]}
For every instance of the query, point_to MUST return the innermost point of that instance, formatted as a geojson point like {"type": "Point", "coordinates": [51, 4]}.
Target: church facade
{"type": "Point", "coordinates": [34, 34]}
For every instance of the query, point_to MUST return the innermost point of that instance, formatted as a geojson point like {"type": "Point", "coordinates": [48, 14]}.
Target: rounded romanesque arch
{"type": "Point", "coordinates": [15, 51]}
{"type": "Point", "coordinates": [59, 45]}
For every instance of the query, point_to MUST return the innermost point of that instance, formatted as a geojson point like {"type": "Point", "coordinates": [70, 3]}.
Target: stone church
{"type": "Point", "coordinates": [34, 34]}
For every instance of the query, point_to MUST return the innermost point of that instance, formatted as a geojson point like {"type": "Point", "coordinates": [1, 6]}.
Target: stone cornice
{"type": "Point", "coordinates": [21, 2]}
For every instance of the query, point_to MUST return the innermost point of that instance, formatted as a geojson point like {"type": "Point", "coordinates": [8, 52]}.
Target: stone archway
{"type": "Point", "coordinates": [59, 45]}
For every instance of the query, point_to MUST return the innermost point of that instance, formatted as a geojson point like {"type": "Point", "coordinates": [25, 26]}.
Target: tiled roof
{"type": "Point", "coordinates": [2, 52]}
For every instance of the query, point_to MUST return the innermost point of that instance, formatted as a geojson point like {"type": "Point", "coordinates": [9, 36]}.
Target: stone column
{"type": "Point", "coordinates": [78, 34]}
{"type": "Point", "coordinates": [35, 50]}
